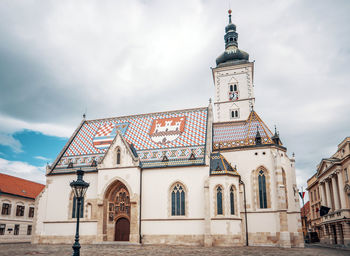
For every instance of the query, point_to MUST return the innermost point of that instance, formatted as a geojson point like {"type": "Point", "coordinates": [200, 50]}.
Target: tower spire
{"type": "Point", "coordinates": [231, 53]}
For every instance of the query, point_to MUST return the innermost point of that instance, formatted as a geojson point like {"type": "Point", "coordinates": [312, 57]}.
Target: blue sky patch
{"type": "Point", "coordinates": [37, 148]}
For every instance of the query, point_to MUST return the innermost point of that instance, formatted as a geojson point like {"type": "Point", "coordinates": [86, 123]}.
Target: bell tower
{"type": "Point", "coordinates": [233, 80]}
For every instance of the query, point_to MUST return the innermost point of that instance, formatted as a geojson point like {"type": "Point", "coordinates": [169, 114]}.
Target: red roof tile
{"type": "Point", "coordinates": [20, 187]}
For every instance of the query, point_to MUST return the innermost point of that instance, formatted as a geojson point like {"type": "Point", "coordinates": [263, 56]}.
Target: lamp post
{"type": "Point", "coordinates": [79, 188]}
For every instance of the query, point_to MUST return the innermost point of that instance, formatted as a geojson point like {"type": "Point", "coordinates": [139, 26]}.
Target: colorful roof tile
{"type": "Point", "coordinates": [241, 133]}
{"type": "Point", "coordinates": [176, 135]}
{"type": "Point", "coordinates": [19, 187]}
{"type": "Point", "coordinates": [220, 166]}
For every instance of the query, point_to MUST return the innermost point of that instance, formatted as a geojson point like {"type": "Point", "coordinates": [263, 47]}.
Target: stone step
{"type": "Point", "coordinates": [117, 243]}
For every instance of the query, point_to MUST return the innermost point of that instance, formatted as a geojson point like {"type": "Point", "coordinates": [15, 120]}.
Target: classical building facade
{"type": "Point", "coordinates": [334, 189]}
{"type": "Point", "coordinates": [179, 177]}
{"type": "Point", "coordinates": [17, 203]}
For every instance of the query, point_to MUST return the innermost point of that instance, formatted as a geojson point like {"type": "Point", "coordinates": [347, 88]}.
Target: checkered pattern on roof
{"type": "Point", "coordinates": [236, 134]}
{"type": "Point", "coordinates": [82, 151]}
{"type": "Point", "coordinates": [138, 132]}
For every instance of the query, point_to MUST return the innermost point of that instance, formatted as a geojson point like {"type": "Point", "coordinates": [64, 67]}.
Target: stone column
{"type": "Point", "coordinates": [323, 195]}
{"type": "Point", "coordinates": [335, 193]}
{"type": "Point", "coordinates": [341, 190]}
{"type": "Point", "coordinates": [328, 194]}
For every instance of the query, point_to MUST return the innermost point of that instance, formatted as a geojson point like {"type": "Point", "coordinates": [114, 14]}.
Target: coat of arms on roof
{"type": "Point", "coordinates": [106, 133]}
{"type": "Point", "coordinates": [167, 129]}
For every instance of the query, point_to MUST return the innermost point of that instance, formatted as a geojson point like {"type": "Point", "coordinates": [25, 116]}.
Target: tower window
{"type": "Point", "coordinates": [231, 88]}
{"type": "Point", "coordinates": [235, 87]}
{"type": "Point", "coordinates": [118, 156]}
{"type": "Point", "coordinates": [231, 39]}
{"type": "Point", "coordinates": [234, 113]}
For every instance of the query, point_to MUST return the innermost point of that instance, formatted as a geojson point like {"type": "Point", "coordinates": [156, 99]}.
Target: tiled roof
{"type": "Point", "coordinates": [20, 187]}
{"type": "Point", "coordinates": [240, 133]}
{"type": "Point", "coordinates": [175, 134]}
{"type": "Point", "coordinates": [219, 165]}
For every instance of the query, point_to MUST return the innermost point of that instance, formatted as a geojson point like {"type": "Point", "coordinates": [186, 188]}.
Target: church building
{"type": "Point", "coordinates": [208, 176]}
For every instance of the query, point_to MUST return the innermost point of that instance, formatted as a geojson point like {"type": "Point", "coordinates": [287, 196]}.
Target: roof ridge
{"type": "Point", "coordinates": [15, 177]}
{"type": "Point", "coordinates": [145, 114]}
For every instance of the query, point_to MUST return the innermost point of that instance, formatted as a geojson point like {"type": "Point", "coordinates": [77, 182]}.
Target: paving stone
{"type": "Point", "coordinates": [158, 250]}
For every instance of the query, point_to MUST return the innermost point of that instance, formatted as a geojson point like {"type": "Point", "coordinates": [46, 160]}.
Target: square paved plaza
{"type": "Point", "coordinates": [127, 250]}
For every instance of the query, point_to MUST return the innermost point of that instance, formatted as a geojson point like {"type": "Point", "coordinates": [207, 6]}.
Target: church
{"type": "Point", "coordinates": [208, 176]}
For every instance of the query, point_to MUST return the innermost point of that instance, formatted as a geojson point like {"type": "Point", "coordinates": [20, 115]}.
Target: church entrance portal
{"type": "Point", "coordinates": [118, 212]}
{"type": "Point", "coordinates": [122, 229]}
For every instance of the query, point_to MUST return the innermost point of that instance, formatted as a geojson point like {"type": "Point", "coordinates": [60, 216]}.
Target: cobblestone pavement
{"type": "Point", "coordinates": [127, 250]}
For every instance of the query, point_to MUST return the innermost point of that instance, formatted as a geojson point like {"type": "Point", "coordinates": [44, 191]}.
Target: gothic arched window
{"type": "Point", "coordinates": [232, 201]}
{"type": "Point", "coordinates": [178, 200]}
{"type": "Point", "coordinates": [231, 88]}
{"type": "Point", "coordinates": [262, 189]}
{"type": "Point", "coordinates": [235, 87]}
{"type": "Point", "coordinates": [219, 210]}
{"type": "Point", "coordinates": [75, 208]}
{"type": "Point", "coordinates": [118, 156]}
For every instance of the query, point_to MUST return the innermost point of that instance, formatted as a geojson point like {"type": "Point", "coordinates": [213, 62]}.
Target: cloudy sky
{"type": "Point", "coordinates": [59, 59]}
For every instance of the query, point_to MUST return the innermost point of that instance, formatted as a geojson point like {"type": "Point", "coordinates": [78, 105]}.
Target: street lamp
{"type": "Point", "coordinates": [79, 188]}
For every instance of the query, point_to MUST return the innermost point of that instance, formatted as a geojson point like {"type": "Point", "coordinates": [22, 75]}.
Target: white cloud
{"type": "Point", "coordinates": [23, 170]}
{"type": "Point", "coordinates": [42, 158]}
{"type": "Point", "coordinates": [12, 125]}
{"type": "Point", "coordinates": [8, 140]}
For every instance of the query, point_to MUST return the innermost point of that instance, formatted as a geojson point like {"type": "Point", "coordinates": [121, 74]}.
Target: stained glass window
{"type": "Point", "coordinates": [178, 200]}
{"type": "Point", "coordinates": [219, 200]}
{"type": "Point", "coordinates": [262, 189]}
{"type": "Point", "coordinates": [232, 202]}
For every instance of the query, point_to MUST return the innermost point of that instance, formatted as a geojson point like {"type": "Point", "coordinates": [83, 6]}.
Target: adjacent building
{"type": "Point", "coordinates": [203, 176]}
{"type": "Point", "coordinates": [315, 204]}
{"type": "Point", "coordinates": [329, 190]}
{"type": "Point", "coordinates": [17, 203]}
{"type": "Point", "coordinates": [305, 217]}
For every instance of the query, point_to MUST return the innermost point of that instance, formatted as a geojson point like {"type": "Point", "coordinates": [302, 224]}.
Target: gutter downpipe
{"type": "Point", "coordinates": [245, 211]}
{"type": "Point", "coordinates": [140, 236]}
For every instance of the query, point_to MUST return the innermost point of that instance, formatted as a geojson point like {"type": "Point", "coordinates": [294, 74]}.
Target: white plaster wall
{"type": "Point", "coordinates": [226, 227]}
{"type": "Point", "coordinates": [178, 227]}
{"type": "Point", "coordinates": [68, 229]}
{"type": "Point", "coordinates": [59, 192]}
{"type": "Point", "coordinates": [262, 222]}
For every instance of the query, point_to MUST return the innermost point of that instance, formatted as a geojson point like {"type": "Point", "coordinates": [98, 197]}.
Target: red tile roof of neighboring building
{"type": "Point", "coordinates": [17, 186]}
{"type": "Point", "coordinates": [305, 209]}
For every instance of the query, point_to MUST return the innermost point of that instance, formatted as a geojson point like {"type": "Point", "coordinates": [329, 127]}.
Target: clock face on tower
{"type": "Point", "coordinates": [233, 96]}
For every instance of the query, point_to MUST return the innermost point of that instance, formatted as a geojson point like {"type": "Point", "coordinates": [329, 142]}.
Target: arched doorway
{"type": "Point", "coordinates": [118, 212]}
{"type": "Point", "coordinates": [122, 229]}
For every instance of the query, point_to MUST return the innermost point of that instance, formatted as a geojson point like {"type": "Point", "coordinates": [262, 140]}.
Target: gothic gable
{"type": "Point", "coordinates": [119, 154]}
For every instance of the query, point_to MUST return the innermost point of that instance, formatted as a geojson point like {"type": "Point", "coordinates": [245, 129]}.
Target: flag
{"type": "Point", "coordinates": [302, 194]}
{"type": "Point", "coordinates": [324, 210]}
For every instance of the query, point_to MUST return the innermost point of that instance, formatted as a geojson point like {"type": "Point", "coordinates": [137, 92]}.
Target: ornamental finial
{"type": "Point", "coordinates": [229, 16]}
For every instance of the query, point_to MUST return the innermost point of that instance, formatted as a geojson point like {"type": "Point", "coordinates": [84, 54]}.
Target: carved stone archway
{"type": "Point", "coordinates": [118, 204]}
